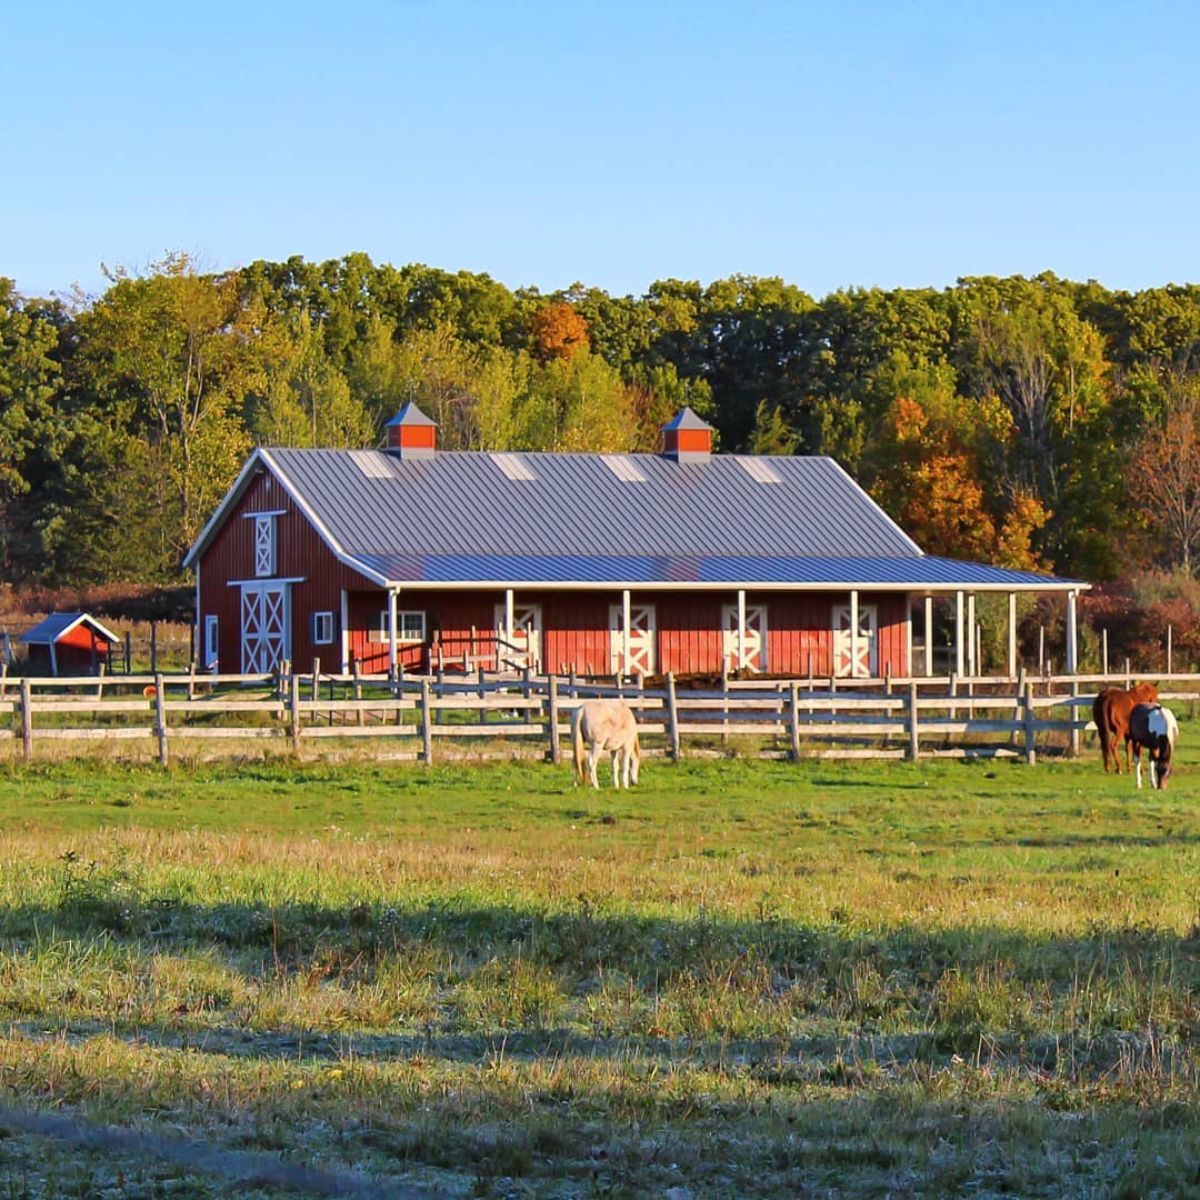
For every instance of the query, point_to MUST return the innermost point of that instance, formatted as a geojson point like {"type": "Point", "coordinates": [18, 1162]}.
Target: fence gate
{"type": "Point", "coordinates": [754, 638]}
{"type": "Point", "coordinates": [862, 663]}
{"type": "Point", "coordinates": [643, 631]}
{"type": "Point", "coordinates": [524, 647]}
{"type": "Point", "coordinates": [266, 620]}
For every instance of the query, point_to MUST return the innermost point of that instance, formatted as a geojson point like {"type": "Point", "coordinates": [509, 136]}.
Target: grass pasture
{"type": "Point", "coordinates": [742, 979]}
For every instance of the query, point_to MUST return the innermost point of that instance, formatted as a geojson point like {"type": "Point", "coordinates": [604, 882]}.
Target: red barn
{"type": "Point", "coordinates": [69, 644]}
{"type": "Point", "coordinates": [683, 560]}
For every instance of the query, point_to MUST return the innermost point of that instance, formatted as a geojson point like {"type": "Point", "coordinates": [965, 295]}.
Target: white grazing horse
{"type": "Point", "coordinates": [606, 726]}
{"type": "Point", "coordinates": [1155, 728]}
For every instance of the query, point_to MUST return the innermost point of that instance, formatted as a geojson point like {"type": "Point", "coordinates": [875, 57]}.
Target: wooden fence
{"type": "Point", "coordinates": [889, 718]}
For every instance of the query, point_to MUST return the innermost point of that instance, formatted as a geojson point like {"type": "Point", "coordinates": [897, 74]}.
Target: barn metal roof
{"type": "Point", "coordinates": [802, 571]}
{"type": "Point", "coordinates": [466, 503]}
{"type": "Point", "coordinates": [563, 519]}
{"type": "Point", "coordinates": [53, 627]}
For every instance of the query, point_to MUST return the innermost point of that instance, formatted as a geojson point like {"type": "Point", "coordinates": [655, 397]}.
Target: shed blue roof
{"type": "Point", "coordinates": [561, 519]}
{"type": "Point", "coordinates": [51, 628]}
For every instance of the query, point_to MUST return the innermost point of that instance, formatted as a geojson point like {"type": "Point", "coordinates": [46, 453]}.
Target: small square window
{"type": "Point", "coordinates": [410, 627]}
{"type": "Point", "coordinates": [322, 624]}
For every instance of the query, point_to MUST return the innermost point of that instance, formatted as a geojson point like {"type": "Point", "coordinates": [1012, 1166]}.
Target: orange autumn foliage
{"type": "Point", "coordinates": [558, 331]}
{"type": "Point", "coordinates": [935, 486]}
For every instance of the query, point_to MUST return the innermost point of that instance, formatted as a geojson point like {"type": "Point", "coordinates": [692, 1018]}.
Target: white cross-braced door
{"type": "Point", "coordinates": [861, 661]}
{"type": "Point", "coordinates": [524, 641]}
{"type": "Point", "coordinates": [265, 625]}
{"type": "Point", "coordinates": [643, 636]}
{"type": "Point", "coordinates": [754, 639]}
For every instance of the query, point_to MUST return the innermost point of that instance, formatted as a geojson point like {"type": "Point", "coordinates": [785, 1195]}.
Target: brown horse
{"type": "Point", "coordinates": [1110, 711]}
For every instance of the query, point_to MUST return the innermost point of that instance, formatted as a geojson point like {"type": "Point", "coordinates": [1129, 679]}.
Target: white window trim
{"type": "Point", "coordinates": [379, 633]}
{"type": "Point", "coordinates": [212, 641]}
{"type": "Point", "coordinates": [323, 618]}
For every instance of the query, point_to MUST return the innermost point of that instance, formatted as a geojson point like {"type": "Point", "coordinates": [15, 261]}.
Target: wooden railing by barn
{"type": "Point", "coordinates": [897, 718]}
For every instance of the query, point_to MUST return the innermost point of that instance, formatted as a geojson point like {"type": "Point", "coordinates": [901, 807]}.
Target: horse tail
{"type": "Point", "coordinates": [577, 743]}
{"type": "Point", "coordinates": [1100, 715]}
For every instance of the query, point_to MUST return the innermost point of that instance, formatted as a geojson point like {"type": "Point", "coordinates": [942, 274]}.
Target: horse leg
{"type": "Point", "coordinates": [593, 755]}
{"type": "Point", "coordinates": [1137, 758]}
{"type": "Point", "coordinates": [1153, 770]}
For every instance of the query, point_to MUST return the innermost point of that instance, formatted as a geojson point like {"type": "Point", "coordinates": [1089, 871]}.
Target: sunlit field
{"type": "Point", "coordinates": [741, 979]}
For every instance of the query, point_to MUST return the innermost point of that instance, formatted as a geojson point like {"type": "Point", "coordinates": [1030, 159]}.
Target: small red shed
{"type": "Point", "coordinates": [69, 644]}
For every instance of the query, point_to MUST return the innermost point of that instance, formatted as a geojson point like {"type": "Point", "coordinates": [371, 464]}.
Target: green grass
{"type": "Point", "coordinates": [741, 979]}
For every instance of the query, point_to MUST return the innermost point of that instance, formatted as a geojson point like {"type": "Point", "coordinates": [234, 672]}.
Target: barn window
{"type": "Point", "coordinates": [211, 643]}
{"type": "Point", "coordinates": [410, 627]}
{"type": "Point", "coordinates": [264, 544]}
{"type": "Point", "coordinates": [322, 628]}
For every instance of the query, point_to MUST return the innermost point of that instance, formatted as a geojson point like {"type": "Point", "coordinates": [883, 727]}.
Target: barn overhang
{"type": "Point", "coordinates": [920, 574]}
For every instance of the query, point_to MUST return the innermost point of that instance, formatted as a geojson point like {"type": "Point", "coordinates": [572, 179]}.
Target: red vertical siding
{"type": "Point", "coordinates": [300, 553]}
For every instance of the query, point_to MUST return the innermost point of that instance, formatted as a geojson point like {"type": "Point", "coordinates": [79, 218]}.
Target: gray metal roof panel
{"type": "Point", "coordinates": [463, 503]}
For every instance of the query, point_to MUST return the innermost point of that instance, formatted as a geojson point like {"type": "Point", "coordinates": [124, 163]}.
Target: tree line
{"type": "Point", "coordinates": [1035, 423]}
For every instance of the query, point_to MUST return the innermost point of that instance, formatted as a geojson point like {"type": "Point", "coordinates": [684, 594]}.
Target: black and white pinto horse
{"type": "Point", "coordinates": [1154, 728]}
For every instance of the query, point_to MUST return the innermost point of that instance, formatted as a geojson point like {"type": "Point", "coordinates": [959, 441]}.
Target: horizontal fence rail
{"type": "Point", "coordinates": [941, 716]}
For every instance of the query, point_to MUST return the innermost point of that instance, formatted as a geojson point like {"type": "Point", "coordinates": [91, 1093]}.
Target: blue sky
{"type": "Point", "coordinates": [837, 145]}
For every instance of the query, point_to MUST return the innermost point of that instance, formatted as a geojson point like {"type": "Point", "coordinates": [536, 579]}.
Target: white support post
{"type": "Point", "coordinates": [741, 629]}
{"type": "Point", "coordinates": [625, 617]}
{"type": "Point", "coordinates": [928, 636]}
{"type": "Point", "coordinates": [344, 627]}
{"type": "Point", "coordinates": [1072, 632]}
{"type": "Point", "coordinates": [972, 665]}
{"type": "Point", "coordinates": [853, 633]}
{"type": "Point", "coordinates": [908, 634]}
{"type": "Point", "coordinates": [393, 657]}
{"type": "Point", "coordinates": [960, 636]}
{"type": "Point", "coordinates": [1012, 635]}
{"type": "Point", "coordinates": [509, 622]}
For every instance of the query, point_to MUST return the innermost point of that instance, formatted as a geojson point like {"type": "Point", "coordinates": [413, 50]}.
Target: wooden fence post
{"type": "Point", "coordinates": [1075, 731]}
{"type": "Point", "coordinates": [128, 653]}
{"type": "Point", "coordinates": [160, 718]}
{"type": "Point", "coordinates": [362, 716]}
{"type": "Point", "coordinates": [1030, 746]}
{"type": "Point", "coordinates": [3, 676]}
{"type": "Point", "coordinates": [26, 720]}
{"type": "Point", "coordinates": [794, 715]}
{"type": "Point", "coordinates": [154, 647]}
{"type": "Point", "coordinates": [294, 710]}
{"type": "Point", "coordinates": [482, 695]}
{"type": "Point", "coordinates": [552, 711]}
{"type": "Point", "coordinates": [1012, 737]}
{"type": "Point", "coordinates": [191, 679]}
{"type": "Point", "coordinates": [426, 724]}
{"type": "Point", "coordinates": [673, 719]}
{"type": "Point", "coordinates": [1128, 675]}
{"type": "Point", "coordinates": [914, 724]}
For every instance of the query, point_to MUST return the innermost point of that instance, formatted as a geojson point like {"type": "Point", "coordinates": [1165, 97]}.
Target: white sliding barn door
{"type": "Point", "coordinates": [754, 641]}
{"type": "Point", "coordinates": [859, 661]}
{"type": "Point", "coordinates": [266, 626]}
{"type": "Point", "coordinates": [643, 637]}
